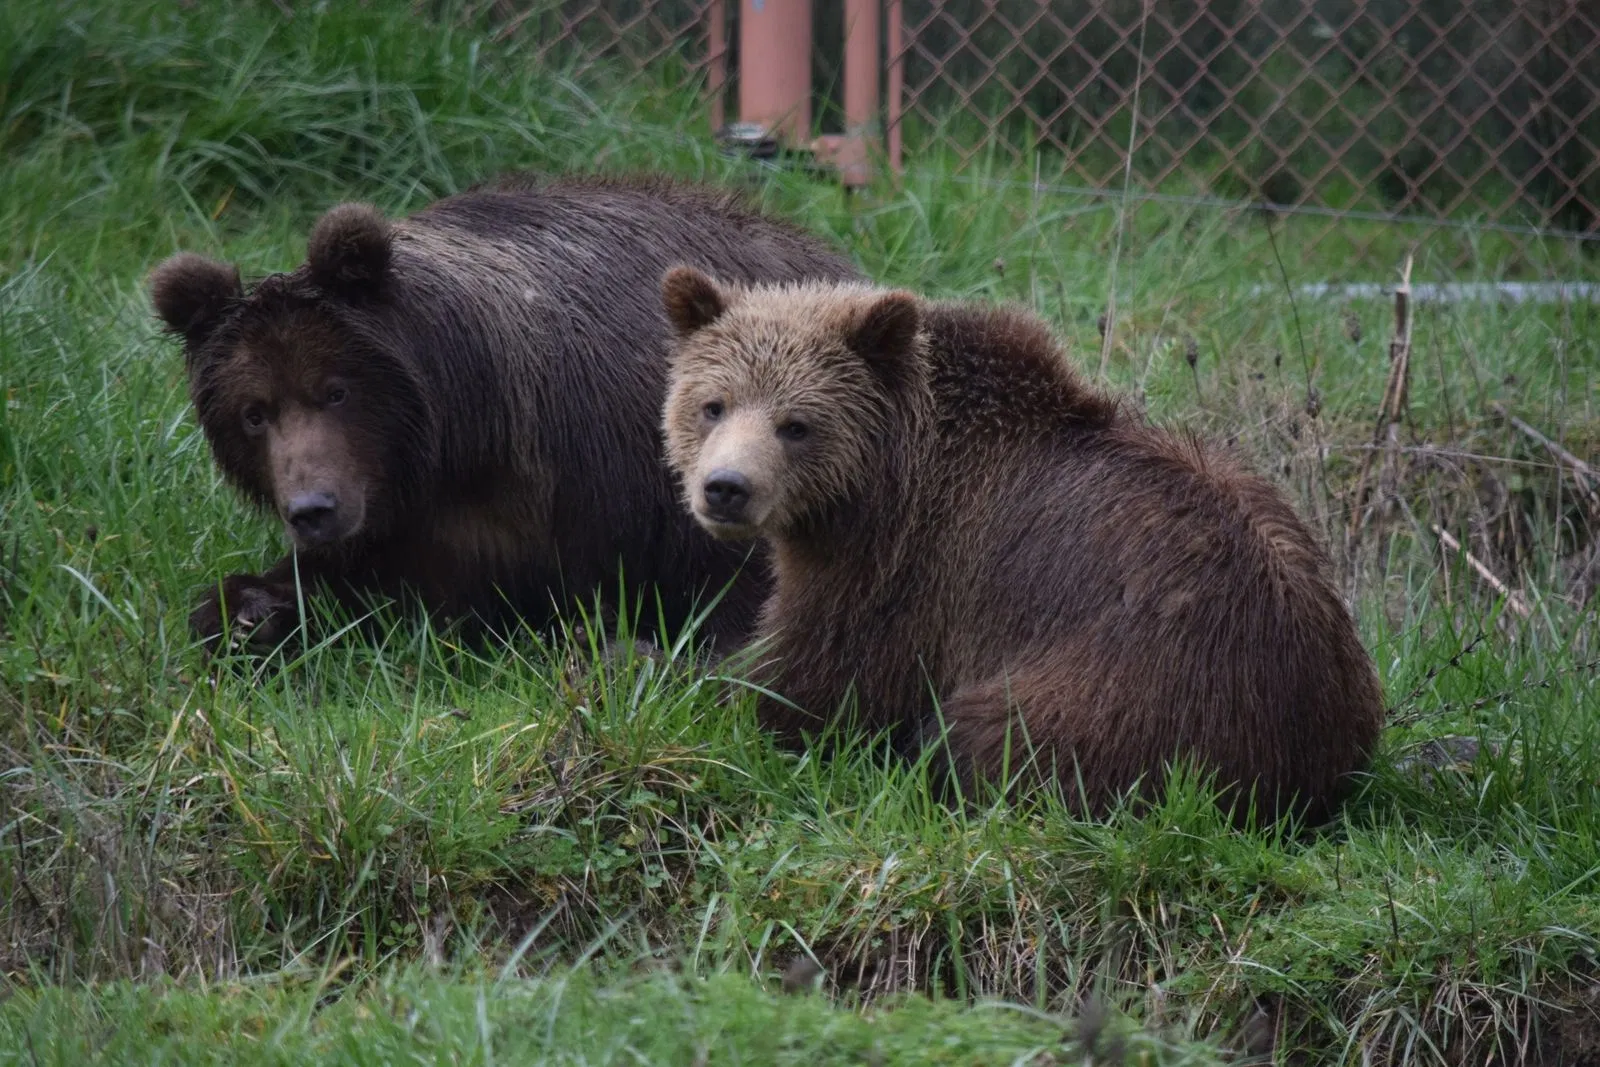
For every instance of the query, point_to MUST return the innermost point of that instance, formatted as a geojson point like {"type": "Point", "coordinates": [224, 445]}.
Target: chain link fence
{"type": "Point", "coordinates": [1349, 110]}
{"type": "Point", "coordinates": [1438, 118]}
{"type": "Point", "coordinates": [675, 45]}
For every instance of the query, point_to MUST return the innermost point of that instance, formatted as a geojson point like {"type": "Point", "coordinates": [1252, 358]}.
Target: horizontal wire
{"type": "Point", "coordinates": [1225, 203]}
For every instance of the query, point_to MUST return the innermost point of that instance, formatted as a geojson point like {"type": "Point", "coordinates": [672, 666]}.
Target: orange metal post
{"type": "Point", "coordinates": [851, 152]}
{"type": "Point", "coordinates": [775, 67]}
{"type": "Point", "coordinates": [716, 59]}
{"type": "Point", "coordinates": [860, 64]}
{"type": "Point", "coordinates": [860, 87]}
{"type": "Point", "coordinates": [897, 83]}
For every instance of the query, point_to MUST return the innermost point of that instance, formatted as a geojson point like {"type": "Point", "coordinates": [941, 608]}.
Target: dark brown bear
{"type": "Point", "coordinates": [956, 515]}
{"type": "Point", "coordinates": [464, 405]}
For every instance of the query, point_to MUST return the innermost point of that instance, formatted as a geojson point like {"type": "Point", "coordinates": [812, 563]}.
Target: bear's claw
{"type": "Point", "coordinates": [259, 615]}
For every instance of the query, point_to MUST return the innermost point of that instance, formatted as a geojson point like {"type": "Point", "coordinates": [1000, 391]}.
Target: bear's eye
{"type": "Point", "coordinates": [793, 431]}
{"type": "Point", "coordinates": [337, 395]}
{"type": "Point", "coordinates": [253, 417]}
{"type": "Point", "coordinates": [713, 410]}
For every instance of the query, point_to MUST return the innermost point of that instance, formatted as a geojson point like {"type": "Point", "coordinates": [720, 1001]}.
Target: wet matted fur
{"type": "Point", "coordinates": [961, 526]}
{"type": "Point", "coordinates": [463, 404]}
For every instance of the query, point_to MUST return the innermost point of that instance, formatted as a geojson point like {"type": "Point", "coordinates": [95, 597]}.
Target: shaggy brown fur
{"type": "Point", "coordinates": [956, 515]}
{"type": "Point", "coordinates": [464, 404]}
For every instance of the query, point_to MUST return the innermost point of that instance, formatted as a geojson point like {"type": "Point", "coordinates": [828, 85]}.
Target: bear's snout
{"type": "Point", "coordinates": [734, 475]}
{"type": "Point", "coordinates": [727, 494]}
{"type": "Point", "coordinates": [314, 517]}
{"type": "Point", "coordinates": [318, 482]}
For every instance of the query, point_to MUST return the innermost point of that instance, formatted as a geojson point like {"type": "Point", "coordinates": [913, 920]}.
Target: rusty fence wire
{"type": "Point", "coordinates": [665, 44]}
{"type": "Point", "coordinates": [1469, 110]}
{"type": "Point", "coordinates": [1365, 117]}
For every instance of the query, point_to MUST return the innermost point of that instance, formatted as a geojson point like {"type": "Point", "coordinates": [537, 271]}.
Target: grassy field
{"type": "Point", "coordinates": [403, 849]}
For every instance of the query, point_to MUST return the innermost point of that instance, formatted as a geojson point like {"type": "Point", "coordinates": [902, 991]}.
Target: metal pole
{"type": "Point", "coordinates": [716, 60]}
{"type": "Point", "coordinates": [897, 83]}
{"type": "Point", "coordinates": [860, 88]}
{"type": "Point", "coordinates": [775, 67]}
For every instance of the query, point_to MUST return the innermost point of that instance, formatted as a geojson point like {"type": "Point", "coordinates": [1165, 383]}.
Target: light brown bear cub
{"type": "Point", "coordinates": [961, 527]}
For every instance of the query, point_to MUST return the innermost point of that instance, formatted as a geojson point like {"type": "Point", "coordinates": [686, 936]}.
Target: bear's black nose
{"type": "Point", "coordinates": [726, 492]}
{"type": "Point", "coordinates": [313, 517]}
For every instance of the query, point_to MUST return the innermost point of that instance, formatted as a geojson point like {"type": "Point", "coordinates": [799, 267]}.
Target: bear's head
{"type": "Point", "coordinates": [309, 407]}
{"type": "Point", "coordinates": [781, 398]}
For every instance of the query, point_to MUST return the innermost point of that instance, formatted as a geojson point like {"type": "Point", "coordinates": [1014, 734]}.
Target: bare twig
{"type": "Point", "coordinates": [1391, 410]}
{"type": "Point", "coordinates": [1444, 452]}
{"type": "Point", "coordinates": [1587, 478]}
{"type": "Point", "coordinates": [1453, 663]}
{"type": "Point", "coordinates": [1585, 575]}
{"type": "Point", "coordinates": [1514, 599]}
{"type": "Point", "coordinates": [1548, 681]}
{"type": "Point", "coordinates": [1399, 377]}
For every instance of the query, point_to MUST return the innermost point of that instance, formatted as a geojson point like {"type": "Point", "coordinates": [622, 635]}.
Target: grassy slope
{"type": "Point", "coordinates": [575, 1019]}
{"type": "Point", "coordinates": [376, 805]}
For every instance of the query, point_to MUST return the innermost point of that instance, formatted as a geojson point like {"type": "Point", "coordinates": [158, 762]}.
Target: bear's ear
{"type": "Point", "coordinates": [692, 299]}
{"type": "Point", "coordinates": [350, 252]}
{"type": "Point", "coordinates": [191, 293]}
{"type": "Point", "coordinates": [884, 335]}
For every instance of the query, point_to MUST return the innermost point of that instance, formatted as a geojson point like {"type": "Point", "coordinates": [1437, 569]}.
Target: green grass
{"type": "Point", "coordinates": [567, 1019]}
{"type": "Point", "coordinates": [402, 848]}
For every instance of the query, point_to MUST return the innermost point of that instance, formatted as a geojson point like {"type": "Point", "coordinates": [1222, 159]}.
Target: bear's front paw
{"type": "Point", "coordinates": [249, 611]}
